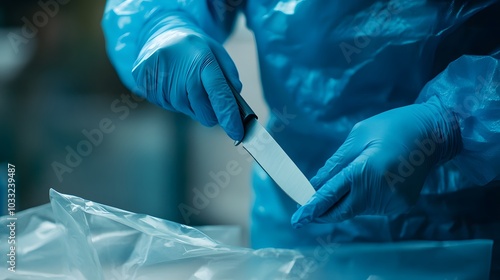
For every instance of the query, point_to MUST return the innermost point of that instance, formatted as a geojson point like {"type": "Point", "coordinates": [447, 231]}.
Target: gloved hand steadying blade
{"type": "Point", "coordinates": [184, 70]}
{"type": "Point", "coordinates": [381, 167]}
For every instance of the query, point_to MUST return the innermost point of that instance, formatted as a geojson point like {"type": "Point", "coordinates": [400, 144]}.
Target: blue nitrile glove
{"type": "Point", "coordinates": [184, 70]}
{"type": "Point", "coordinates": [381, 167]}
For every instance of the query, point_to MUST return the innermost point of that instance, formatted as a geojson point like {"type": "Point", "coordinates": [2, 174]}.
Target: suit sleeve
{"type": "Point", "coordinates": [469, 89]}
{"type": "Point", "coordinates": [126, 22]}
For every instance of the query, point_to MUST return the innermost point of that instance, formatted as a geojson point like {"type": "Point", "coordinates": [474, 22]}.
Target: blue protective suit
{"type": "Point", "coordinates": [325, 66]}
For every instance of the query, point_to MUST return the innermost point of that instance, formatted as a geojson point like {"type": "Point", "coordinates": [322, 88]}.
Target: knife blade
{"type": "Point", "coordinates": [270, 156]}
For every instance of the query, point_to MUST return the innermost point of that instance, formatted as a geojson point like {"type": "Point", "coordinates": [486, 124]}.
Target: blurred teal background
{"type": "Point", "coordinates": [60, 82]}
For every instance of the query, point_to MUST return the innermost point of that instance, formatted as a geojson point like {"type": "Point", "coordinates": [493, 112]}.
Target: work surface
{"type": "Point", "coordinates": [73, 238]}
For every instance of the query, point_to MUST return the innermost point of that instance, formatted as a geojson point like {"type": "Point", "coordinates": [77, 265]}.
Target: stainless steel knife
{"type": "Point", "coordinates": [270, 156]}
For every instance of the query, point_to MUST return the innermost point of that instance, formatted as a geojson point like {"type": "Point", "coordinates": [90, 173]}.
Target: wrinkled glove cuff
{"type": "Point", "coordinates": [446, 134]}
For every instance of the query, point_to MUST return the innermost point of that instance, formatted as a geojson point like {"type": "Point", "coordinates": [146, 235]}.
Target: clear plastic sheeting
{"type": "Point", "coordinates": [73, 238]}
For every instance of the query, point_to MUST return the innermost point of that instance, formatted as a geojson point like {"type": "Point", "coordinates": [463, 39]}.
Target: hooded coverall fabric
{"type": "Point", "coordinates": [326, 65]}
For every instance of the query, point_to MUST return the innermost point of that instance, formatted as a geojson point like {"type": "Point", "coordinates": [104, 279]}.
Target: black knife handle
{"type": "Point", "coordinates": [246, 113]}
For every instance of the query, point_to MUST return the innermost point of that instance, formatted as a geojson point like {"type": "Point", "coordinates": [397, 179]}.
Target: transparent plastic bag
{"type": "Point", "coordinates": [73, 238]}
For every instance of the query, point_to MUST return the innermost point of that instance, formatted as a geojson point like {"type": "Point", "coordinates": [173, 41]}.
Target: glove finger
{"type": "Point", "coordinates": [149, 86]}
{"type": "Point", "coordinates": [324, 199]}
{"type": "Point", "coordinates": [345, 154]}
{"type": "Point", "coordinates": [222, 99]}
{"type": "Point", "coordinates": [353, 203]}
{"type": "Point", "coordinates": [342, 211]}
{"type": "Point", "coordinates": [227, 66]}
{"type": "Point", "coordinates": [181, 104]}
{"type": "Point", "coordinates": [176, 96]}
{"type": "Point", "coordinates": [200, 104]}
